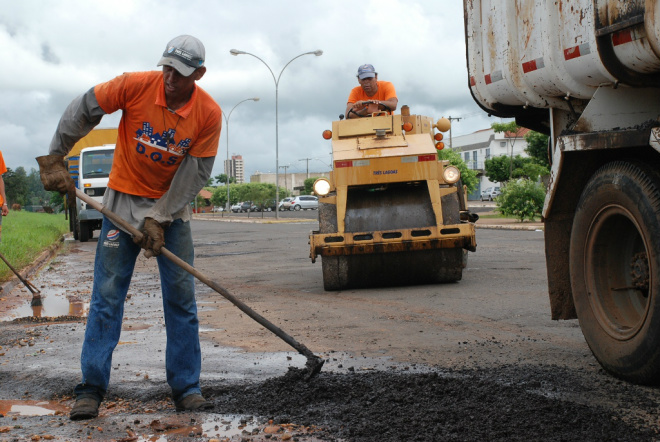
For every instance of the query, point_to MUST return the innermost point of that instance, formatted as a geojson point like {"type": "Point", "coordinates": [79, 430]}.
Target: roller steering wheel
{"type": "Point", "coordinates": [388, 109]}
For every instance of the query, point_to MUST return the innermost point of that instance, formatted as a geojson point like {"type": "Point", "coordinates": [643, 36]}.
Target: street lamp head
{"type": "Point", "coordinates": [255, 99]}
{"type": "Point", "coordinates": [318, 52]}
{"type": "Point", "coordinates": [236, 52]}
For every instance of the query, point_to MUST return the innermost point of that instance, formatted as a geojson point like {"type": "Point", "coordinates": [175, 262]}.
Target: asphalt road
{"type": "Point", "coordinates": [500, 368]}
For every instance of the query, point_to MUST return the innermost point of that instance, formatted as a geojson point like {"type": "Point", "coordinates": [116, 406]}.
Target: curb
{"type": "Point", "coordinates": [254, 220]}
{"type": "Point", "coordinates": [531, 227]}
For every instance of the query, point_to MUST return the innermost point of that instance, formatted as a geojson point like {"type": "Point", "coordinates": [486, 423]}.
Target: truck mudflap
{"type": "Point", "coordinates": [453, 236]}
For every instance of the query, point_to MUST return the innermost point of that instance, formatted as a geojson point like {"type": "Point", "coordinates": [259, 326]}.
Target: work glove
{"type": "Point", "coordinates": [56, 177]}
{"type": "Point", "coordinates": [153, 237]}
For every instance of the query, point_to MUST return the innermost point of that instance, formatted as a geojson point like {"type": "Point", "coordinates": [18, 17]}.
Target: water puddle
{"type": "Point", "coordinates": [227, 427]}
{"type": "Point", "coordinates": [31, 408]}
{"type": "Point", "coordinates": [52, 305]}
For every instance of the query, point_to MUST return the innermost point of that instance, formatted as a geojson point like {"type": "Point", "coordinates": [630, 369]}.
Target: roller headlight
{"type": "Point", "coordinates": [321, 187]}
{"type": "Point", "coordinates": [451, 174]}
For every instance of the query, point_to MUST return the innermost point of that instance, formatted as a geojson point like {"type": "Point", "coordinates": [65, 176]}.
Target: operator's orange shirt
{"type": "Point", "coordinates": [151, 140]}
{"type": "Point", "coordinates": [385, 92]}
{"type": "Point", "coordinates": [3, 169]}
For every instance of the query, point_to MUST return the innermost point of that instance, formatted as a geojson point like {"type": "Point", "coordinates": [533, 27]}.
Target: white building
{"type": "Point", "coordinates": [293, 182]}
{"type": "Point", "coordinates": [479, 146]}
{"type": "Point", "coordinates": [235, 168]}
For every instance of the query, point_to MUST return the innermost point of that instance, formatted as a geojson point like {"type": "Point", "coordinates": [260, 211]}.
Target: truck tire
{"type": "Point", "coordinates": [73, 223]}
{"type": "Point", "coordinates": [615, 269]}
{"type": "Point", "coordinates": [83, 232]}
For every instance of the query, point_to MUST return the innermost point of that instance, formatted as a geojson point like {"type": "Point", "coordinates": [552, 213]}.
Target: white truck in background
{"type": "Point", "coordinates": [587, 73]}
{"type": "Point", "coordinates": [89, 164]}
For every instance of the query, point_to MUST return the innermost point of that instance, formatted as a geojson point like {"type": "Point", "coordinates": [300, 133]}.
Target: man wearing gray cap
{"type": "Point", "coordinates": [167, 141]}
{"type": "Point", "coordinates": [371, 96]}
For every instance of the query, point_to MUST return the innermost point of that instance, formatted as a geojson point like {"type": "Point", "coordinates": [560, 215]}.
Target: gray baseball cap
{"type": "Point", "coordinates": [366, 71]}
{"type": "Point", "coordinates": [184, 53]}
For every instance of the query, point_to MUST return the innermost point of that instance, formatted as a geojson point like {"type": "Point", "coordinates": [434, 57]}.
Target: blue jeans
{"type": "Point", "coordinates": [113, 268]}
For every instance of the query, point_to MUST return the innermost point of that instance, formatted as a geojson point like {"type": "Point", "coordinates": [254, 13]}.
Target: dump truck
{"type": "Point", "coordinates": [89, 163]}
{"type": "Point", "coordinates": [587, 74]}
{"type": "Point", "coordinates": [391, 213]}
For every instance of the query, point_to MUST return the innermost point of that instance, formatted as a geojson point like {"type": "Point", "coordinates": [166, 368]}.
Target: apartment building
{"type": "Point", "coordinates": [479, 146]}
{"type": "Point", "coordinates": [235, 168]}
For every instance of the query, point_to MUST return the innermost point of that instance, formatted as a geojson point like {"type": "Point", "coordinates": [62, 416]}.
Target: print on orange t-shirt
{"type": "Point", "coordinates": [152, 141]}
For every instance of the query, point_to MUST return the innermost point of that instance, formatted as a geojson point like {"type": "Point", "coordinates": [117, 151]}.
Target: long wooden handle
{"type": "Point", "coordinates": [190, 269]}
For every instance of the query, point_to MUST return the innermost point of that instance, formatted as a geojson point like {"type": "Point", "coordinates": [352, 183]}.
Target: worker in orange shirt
{"type": "Point", "coordinates": [3, 195]}
{"type": "Point", "coordinates": [166, 145]}
{"type": "Point", "coordinates": [371, 96]}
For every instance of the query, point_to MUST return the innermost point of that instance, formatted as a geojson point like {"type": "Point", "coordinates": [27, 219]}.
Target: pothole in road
{"type": "Point", "coordinates": [10, 408]}
{"type": "Point", "coordinates": [52, 305]}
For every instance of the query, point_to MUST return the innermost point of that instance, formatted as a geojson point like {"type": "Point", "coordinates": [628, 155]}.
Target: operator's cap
{"type": "Point", "coordinates": [184, 53]}
{"type": "Point", "coordinates": [366, 71]}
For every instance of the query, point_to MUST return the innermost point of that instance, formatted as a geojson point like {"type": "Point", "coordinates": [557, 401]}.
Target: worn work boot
{"type": "Point", "coordinates": [84, 408]}
{"type": "Point", "coordinates": [193, 402]}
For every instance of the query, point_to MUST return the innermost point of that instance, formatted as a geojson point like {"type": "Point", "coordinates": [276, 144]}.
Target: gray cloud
{"type": "Point", "coordinates": [63, 48]}
{"type": "Point", "coordinates": [47, 54]}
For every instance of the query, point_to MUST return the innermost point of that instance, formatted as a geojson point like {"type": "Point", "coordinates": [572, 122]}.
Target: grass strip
{"type": "Point", "coordinates": [25, 235]}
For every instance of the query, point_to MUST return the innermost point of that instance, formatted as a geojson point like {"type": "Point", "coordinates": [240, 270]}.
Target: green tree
{"type": "Point", "coordinates": [222, 179]}
{"type": "Point", "coordinates": [497, 168]}
{"type": "Point", "coordinates": [36, 188]}
{"type": "Point", "coordinates": [468, 176]}
{"type": "Point", "coordinates": [16, 186]}
{"type": "Point", "coordinates": [512, 128]}
{"type": "Point", "coordinates": [537, 148]}
{"type": "Point", "coordinates": [258, 193]}
{"type": "Point", "coordinates": [309, 185]}
{"type": "Point", "coordinates": [219, 196]}
{"type": "Point", "coordinates": [522, 198]}
{"type": "Point", "coordinates": [530, 170]}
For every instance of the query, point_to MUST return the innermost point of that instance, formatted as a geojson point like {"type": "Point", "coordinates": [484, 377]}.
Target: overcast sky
{"type": "Point", "coordinates": [55, 50]}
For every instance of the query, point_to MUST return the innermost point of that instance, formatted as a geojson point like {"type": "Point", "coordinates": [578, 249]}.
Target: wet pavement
{"type": "Point", "coordinates": [432, 371]}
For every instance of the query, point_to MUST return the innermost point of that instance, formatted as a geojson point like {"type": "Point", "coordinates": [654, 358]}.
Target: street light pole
{"type": "Point", "coordinates": [227, 132]}
{"type": "Point", "coordinates": [318, 53]}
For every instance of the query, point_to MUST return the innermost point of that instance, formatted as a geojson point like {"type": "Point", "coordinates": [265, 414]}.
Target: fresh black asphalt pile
{"type": "Point", "coordinates": [509, 404]}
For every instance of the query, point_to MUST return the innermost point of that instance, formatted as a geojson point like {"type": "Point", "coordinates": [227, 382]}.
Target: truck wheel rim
{"type": "Point", "coordinates": [617, 272]}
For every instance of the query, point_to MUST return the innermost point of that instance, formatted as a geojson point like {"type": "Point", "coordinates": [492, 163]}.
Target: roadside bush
{"type": "Point", "coordinates": [522, 199]}
{"type": "Point", "coordinates": [468, 176]}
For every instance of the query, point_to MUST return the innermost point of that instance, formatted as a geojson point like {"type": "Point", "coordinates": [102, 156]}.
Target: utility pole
{"type": "Point", "coordinates": [285, 167]}
{"type": "Point", "coordinates": [451, 145]}
{"type": "Point", "coordinates": [307, 160]}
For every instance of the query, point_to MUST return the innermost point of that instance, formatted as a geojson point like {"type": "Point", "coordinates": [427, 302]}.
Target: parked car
{"type": "Point", "coordinates": [218, 209]}
{"type": "Point", "coordinates": [285, 204]}
{"type": "Point", "coordinates": [236, 207]}
{"type": "Point", "coordinates": [248, 206]}
{"type": "Point", "coordinates": [269, 206]}
{"type": "Point", "coordinates": [490, 193]}
{"type": "Point", "coordinates": [304, 202]}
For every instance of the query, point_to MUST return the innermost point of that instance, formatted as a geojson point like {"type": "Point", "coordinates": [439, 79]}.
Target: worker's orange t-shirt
{"type": "Point", "coordinates": [151, 140]}
{"type": "Point", "coordinates": [385, 92]}
{"type": "Point", "coordinates": [3, 169]}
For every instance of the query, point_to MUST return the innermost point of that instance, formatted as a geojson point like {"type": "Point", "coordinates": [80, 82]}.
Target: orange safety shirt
{"type": "Point", "coordinates": [385, 92]}
{"type": "Point", "coordinates": [152, 141]}
{"type": "Point", "coordinates": [3, 169]}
